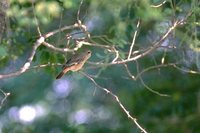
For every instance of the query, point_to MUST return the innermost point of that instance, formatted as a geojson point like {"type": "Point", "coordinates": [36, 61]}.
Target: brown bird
{"type": "Point", "coordinates": [75, 63]}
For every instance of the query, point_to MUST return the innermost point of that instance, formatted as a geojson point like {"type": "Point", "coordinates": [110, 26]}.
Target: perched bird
{"type": "Point", "coordinates": [75, 63]}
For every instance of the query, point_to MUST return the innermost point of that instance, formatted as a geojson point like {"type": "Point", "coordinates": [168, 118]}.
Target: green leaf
{"type": "Point", "coordinates": [3, 52]}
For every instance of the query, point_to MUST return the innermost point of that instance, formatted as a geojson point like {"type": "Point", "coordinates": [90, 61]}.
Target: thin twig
{"type": "Point", "coordinates": [63, 50]}
{"type": "Point", "coordinates": [5, 97]}
{"type": "Point", "coordinates": [154, 67]}
{"type": "Point", "coordinates": [116, 54]}
{"type": "Point", "coordinates": [93, 44]}
{"type": "Point", "coordinates": [151, 90]}
{"type": "Point", "coordinates": [79, 9]}
{"type": "Point", "coordinates": [186, 71]}
{"type": "Point", "coordinates": [147, 87]}
{"type": "Point", "coordinates": [37, 24]}
{"type": "Point", "coordinates": [129, 72]}
{"type": "Point", "coordinates": [133, 41]}
{"type": "Point", "coordinates": [61, 29]}
{"type": "Point", "coordinates": [45, 65]}
{"type": "Point", "coordinates": [159, 5]}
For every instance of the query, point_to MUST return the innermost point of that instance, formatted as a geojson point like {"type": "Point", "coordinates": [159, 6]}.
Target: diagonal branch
{"type": "Point", "coordinates": [133, 41]}
{"type": "Point", "coordinates": [117, 100]}
{"type": "Point", "coordinates": [61, 29]}
{"type": "Point", "coordinates": [28, 62]}
{"type": "Point", "coordinates": [159, 5]}
{"type": "Point", "coordinates": [35, 18]}
{"type": "Point", "coordinates": [79, 9]}
{"type": "Point", "coordinates": [147, 51]}
{"type": "Point", "coordinates": [5, 97]}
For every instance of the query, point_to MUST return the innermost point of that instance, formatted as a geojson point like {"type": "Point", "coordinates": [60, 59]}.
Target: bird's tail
{"type": "Point", "coordinates": [60, 75]}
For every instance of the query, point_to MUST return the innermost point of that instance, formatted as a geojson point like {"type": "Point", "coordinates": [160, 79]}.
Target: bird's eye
{"type": "Point", "coordinates": [89, 52]}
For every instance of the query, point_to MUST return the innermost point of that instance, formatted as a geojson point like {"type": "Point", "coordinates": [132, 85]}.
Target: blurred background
{"type": "Point", "coordinates": [40, 104]}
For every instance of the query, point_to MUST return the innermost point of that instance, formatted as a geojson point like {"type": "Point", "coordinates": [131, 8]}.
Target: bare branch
{"type": "Point", "coordinates": [5, 97]}
{"type": "Point", "coordinates": [186, 71]}
{"type": "Point", "coordinates": [93, 44]}
{"type": "Point", "coordinates": [116, 54]}
{"type": "Point", "coordinates": [79, 9]}
{"type": "Point", "coordinates": [151, 90]}
{"type": "Point", "coordinates": [129, 72]}
{"type": "Point", "coordinates": [147, 51]}
{"type": "Point", "coordinates": [61, 29]}
{"type": "Point", "coordinates": [45, 65]}
{"type": "Point", "coordinates": [117, 100]}
{"type": "Point", "coordinates": [64, 50]}
{"type": "Point", "coordinates": [154, 67]}
{"type": "Point", "coordinates": [159, 5]}
{"type": "Point", "coordinates": [133, 41]}
{"type": "Point", "coordinates": [37, 24]}
{"type": "Point", "coordinates": [28, 62]}
{"type": "Point", "coordinates": [147, 87]}
{"type": "Point", "coordinates": [167, 65]}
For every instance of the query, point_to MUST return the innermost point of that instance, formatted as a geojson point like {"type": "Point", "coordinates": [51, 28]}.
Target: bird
{"type": "Point", "coordinates": [75, 63]}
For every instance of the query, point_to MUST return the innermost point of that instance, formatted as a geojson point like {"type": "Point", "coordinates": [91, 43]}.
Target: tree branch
{"type": "Point", "coordinates": [133, 41]}
{"type": "Point", "coordinates": [28, 62]}
{"type": "Point", "coordinates": [5, 97]}
{"type": "Point", "coordinates": [117, 100]}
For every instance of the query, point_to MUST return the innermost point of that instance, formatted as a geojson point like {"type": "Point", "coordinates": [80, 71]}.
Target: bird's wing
{"type": "Point", "coordinates": [73, 61]}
